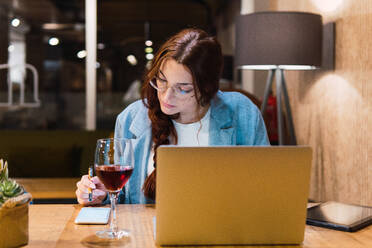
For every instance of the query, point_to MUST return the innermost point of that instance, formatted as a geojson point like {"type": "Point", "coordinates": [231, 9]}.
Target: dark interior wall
{"type": "Point", "coordinates": [4, 43]}
{"type": "Point", "coordinates": [35, 55]}
{"type": "Point", "coordinates": [225, 24]}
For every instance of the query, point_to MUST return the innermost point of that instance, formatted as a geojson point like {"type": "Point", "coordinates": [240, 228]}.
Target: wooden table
{"type": "Point", "coordinates": [53, 226]}
{"type": "Point", "coordinates": [50, 188]}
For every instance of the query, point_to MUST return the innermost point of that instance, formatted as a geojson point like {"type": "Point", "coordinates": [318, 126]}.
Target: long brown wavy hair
{"type": "Point", "coordinates": [202, 55]}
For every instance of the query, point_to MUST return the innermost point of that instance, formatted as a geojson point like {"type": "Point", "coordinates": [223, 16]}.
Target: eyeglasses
{"type": "Point", "coordinates": [180, 91]}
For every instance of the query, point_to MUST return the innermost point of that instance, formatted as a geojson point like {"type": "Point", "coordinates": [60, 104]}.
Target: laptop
{"type": "Point", "coordinates": [231, 195]}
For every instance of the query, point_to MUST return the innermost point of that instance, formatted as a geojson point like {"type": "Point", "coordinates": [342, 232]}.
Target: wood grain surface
{"type": "Point", "coordinates": [47, 222]}
{"type": "Point", "coordinates": [53, 226]}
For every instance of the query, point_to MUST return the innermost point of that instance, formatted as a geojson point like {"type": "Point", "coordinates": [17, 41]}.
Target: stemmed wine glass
{"type": "Point", "coordinates": [114, 163]}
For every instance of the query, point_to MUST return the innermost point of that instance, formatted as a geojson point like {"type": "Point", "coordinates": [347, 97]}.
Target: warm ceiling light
{"type": "Point", "coordinates": [53, 41]}
{"type": "Point", "coordinates": [16, 22]}
{"type": "Point", "coordinates": [81, 54]}
{"type": "Point", "coordinates": [63, 26]}
{"type": "Point", "coordinates": [148, 50]}
{"type": "Point", "coordinates": [101, 46]}
{"type": "Point", "coordinates": [149, 56]}
{"type": "Point", "coordinates": [55, 26]}
{"type": "Point", "coordinates": [10, 48]}
{"type": "Point", "coordinates": [132, 59]}
{"type": "Point", "coordinates": [148, 43]}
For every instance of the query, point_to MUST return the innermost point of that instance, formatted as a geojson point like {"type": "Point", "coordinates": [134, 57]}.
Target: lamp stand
{"type": "Point", "coordinates": [281, 88]}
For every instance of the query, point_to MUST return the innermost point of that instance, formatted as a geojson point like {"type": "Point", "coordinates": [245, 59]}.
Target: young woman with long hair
{"type": "Point", "coordinates": [181, 105]}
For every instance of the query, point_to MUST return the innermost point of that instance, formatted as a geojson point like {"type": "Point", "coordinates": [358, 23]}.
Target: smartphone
{"type": "Point", "coordinates": [93, 215]}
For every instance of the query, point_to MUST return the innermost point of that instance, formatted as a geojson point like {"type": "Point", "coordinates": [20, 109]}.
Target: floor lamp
{"type": "Point", "coordinates": [278, 41]}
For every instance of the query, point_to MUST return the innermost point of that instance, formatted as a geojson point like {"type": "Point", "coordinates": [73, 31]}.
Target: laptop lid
{"type": "Point", "coordinates": [231, 195]}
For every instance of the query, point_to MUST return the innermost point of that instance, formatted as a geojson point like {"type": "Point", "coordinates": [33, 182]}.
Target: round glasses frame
{"type": "Point", "coordinates": [179, 93]}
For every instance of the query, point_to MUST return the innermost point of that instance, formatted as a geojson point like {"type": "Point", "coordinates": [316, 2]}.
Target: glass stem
{"type": "Point", "coordinates": [113, 224]}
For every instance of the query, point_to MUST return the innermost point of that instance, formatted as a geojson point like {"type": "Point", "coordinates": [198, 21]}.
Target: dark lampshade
{"type": "Point", "coordinates": [290, 40]}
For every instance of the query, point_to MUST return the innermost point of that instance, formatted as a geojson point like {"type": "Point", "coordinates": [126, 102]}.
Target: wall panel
{"type": "Point", "coordinates": [332, 109]}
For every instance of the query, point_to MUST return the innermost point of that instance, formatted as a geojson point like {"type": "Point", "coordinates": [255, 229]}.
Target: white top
{"type": "Point", "coordinates": [192, 134]}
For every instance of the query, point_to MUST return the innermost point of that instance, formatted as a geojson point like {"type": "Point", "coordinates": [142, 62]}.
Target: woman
{"type": "Point", "coordinates": [180, 105]}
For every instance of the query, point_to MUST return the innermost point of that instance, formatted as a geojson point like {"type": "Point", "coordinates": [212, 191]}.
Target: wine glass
{"type": "Point", "coordinates": [114, 163]}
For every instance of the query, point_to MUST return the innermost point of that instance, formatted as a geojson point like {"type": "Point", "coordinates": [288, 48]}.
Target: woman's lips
{"type": "Point", "coordinates": [168, 105]}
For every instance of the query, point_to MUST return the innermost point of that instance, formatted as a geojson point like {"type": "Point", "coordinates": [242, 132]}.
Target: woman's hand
{"type": "Point", "coordinates": [99, 191]}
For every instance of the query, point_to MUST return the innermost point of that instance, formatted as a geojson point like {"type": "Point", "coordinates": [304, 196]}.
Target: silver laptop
{"type": "Point", "coordinates": [231, 195]}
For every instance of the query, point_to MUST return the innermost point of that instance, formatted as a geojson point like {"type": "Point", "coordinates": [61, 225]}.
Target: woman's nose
{"type": "Point", "coordinates": [169, 93]}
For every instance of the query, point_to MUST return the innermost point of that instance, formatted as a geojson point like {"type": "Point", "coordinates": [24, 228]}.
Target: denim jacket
{"type": "Point", "coordinates": [234, 120]}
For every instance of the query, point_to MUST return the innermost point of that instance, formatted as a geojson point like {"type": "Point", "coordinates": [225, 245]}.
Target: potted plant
{"type": "Point", "coordinates": [13, 210]}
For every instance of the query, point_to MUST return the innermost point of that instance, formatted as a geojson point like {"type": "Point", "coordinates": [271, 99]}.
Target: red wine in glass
{"type": "Point", "coordinates": [114, 177]}
{"type": "Point", "coordinates": [114, 163]}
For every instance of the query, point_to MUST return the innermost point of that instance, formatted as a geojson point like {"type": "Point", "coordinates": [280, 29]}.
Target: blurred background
{"type": "Point", "coordinates": [331, 107]}
{"type": "Point", "coordinates": [49, 35]}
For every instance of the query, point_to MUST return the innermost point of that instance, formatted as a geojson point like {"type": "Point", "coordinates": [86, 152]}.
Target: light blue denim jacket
{"type": "Point", "coordinates": [234, 120]}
